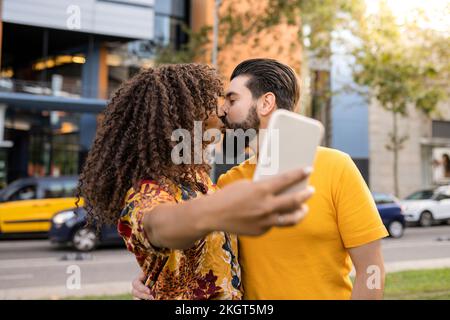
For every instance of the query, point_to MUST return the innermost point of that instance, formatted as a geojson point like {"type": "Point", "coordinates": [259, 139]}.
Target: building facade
{"type": "Point", "coordinates": [361, 128]}
{"type": "Point", "coordinates": [59, 67]}
{"type": "Point", "coordinates": [420, 160]}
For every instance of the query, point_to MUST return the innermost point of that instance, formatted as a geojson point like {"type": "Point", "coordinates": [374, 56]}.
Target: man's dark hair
{"type": "Point", "coordinates": [268, 75]}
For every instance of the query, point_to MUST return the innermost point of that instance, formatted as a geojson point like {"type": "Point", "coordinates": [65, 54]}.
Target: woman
{"type": "Point", "coordinates": [129, 176]}
{"type": "Point", "coordinates": [446, 165]}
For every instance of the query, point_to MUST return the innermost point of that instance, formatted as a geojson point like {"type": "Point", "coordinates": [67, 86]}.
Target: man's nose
{"type": "Point", "coordinates": [222, 110]}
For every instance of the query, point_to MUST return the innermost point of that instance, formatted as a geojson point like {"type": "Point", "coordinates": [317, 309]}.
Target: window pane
{"type": "Point", "coordinates": [168, 31]}
{"type": "Point", "coordinates": [70, 188]}
{"type": "Point", "coordinates": [383, 198]}
{"type": "Point", "coordinates": [54, 189]}
{"type": "Point", "coordinates": [24, 193]}
{"type": "Point", "coordinates": [175, 8]}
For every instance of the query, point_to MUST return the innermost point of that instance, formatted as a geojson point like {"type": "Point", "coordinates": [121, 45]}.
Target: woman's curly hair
{"type": "Point", "coordinates": [133, 141]}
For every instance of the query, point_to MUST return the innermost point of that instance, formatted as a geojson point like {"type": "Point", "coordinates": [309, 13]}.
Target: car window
{"type": "Point", "coordinates": [381, 198]}
{"type": "Point", "coordinates": [70, 188]}
{"type": "Point", "coordinates": [27, 192]}
{"type": "Point", "coordinates": [59, 189]}
{"type": "Point", "coordinates": [442, 196]}
{"type": "Point", "coordinates": [421, 195]}
{"type": "Point", "coordinates": [53, 189]}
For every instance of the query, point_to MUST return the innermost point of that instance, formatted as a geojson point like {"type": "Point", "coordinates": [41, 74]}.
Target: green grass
{"type": "Point", "coordinates": [417, 285]}
{"type": "Point", "coordinates": [414, 285]}
{"type": "Point", "coordinates": [115, 297]}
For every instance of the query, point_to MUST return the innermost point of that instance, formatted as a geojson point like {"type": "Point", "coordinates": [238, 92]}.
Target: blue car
{"type": "Point", "coordinates": [69, 228]}
{"type": "Point", "coordinates": [391, 213]}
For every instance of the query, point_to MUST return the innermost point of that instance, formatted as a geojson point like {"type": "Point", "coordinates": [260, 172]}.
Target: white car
{"type": "Point", "coordinates": [428, 206]}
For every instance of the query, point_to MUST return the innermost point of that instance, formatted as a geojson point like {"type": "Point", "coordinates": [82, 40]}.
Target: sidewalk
{"type": "Point", "coordinates": [61, 292]}
{"type": "Point", "coordinates": [417, 265]}
{"type": "Point", "coordinates": [117, 288]}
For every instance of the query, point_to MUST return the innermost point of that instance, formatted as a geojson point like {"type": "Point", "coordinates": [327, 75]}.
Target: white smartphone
{"type": "Point", "coordinates": [290, 142]}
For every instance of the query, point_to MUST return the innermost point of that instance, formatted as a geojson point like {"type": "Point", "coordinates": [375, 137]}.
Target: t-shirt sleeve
{"type": "Point", "coordinates": [234, 174]}
{"type": "Point", "coordinates": [223, 180]}
{"type": "Point", "coordinates": [130, 225]}
{"type": "Point", "coordinates": [358, 219]}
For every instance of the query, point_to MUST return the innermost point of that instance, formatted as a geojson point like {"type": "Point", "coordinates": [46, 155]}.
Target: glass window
{"type": "Point", "coordinates": [175, 8]}
{"type": "Point", "coordinates": [3, 168]}
{"type": "Point", "coordinates": [53, 189]}
{"type": "Point", "coordinates": [27, 192]}
{"type": "Point", "coordinates": [60, 189]}
{"type": "Point", "coordinates": [54, 144]}
{"type": "Point", "coordinates": [442, 196]}
{"type": "Point", "coordinates": [70, 188]}
{"type": "Point", "coordinates": [168, 30]}
{"type": "Point", "coordinates": [162, 30]}
{"type": "Point", "coordinates": [421, 195]}
{"type": "Point", "coordinates": [381, 198]}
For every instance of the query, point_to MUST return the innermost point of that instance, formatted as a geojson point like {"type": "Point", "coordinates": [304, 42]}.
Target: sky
{"type": "Point", "coordinates": [437, 11]}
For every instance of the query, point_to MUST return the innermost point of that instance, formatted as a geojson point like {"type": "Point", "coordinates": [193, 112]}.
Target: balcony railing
{"type": "Point", "coordinates": [63, 87]}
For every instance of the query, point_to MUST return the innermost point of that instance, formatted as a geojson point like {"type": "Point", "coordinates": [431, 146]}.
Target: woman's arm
{"type": "Point", "coordinates": [244, 208]}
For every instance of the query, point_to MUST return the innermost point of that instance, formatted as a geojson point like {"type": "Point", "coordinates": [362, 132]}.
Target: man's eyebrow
{"type": "Point", "coordinates": [230, 93]}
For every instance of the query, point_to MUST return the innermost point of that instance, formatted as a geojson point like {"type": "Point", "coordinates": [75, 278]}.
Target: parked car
{"type": "Point", "coordinates": [427, 207]}
{"type": "Point", "coordinates": [423, 194]}
{"type": "Point", "coordinates": [27, 205]}
{"type": "Point", "coordinates": [69, 228]}
{"type": "Point", "coordinates": [391, 212]}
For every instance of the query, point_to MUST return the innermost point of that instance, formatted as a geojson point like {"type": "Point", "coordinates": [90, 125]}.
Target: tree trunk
{"type": "Point", "coordinates": [395, 145]}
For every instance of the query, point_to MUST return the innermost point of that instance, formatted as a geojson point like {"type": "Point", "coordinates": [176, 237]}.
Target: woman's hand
{"type": "Point", "coordinates": [252, 208]}
{"type": "Point", "coordinates": [243, 208]}
{"type": "Point", "coordinates": [139, 291]}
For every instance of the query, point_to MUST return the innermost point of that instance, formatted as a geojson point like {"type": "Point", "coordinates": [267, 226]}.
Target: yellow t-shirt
{"type": "Point", "coordinates": [310, 260]}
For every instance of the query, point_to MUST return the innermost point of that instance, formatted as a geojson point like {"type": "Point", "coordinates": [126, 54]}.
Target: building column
{"type": "Point", "coordinates": [94, 85]}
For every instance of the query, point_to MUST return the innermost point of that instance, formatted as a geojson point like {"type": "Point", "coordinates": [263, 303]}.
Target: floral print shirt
{"type": "Point", "coordinates": [208, 270]}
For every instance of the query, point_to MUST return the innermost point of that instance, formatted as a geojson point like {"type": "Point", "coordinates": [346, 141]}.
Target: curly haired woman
{"type": "Point", "coordinates": [182, 232]}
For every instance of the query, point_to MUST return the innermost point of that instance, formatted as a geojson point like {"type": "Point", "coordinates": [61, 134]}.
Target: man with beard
{"type": "Point", "coordinates": [311, 260]}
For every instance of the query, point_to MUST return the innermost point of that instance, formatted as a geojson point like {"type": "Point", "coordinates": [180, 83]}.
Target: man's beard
{"type": "Point", "coordinates": [251, 122]}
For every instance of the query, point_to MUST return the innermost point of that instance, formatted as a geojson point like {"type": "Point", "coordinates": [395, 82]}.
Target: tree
{"type": "Point", "coordinates": [193, 50]}
{"type": "Point", "coordinates": [321, 17]}
{"type": "Point", "coordinates": [314, 22]}
{"type": "Point", "coordinates": [401, 65]}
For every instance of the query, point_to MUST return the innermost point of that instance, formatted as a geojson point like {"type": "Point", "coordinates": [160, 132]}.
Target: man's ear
{"type": "Point", "coordinates": [268, 104]}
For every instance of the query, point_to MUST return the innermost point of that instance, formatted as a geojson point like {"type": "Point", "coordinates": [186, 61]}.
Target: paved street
{"type": "Point", "coordinates": [419, 244]}
{"type": "Point", "coordinates": [35, 268]}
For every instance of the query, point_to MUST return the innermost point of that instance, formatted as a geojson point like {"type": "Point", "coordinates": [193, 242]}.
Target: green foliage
{"type": "Point", "coordinates": [402, 65]}
{"type": "Point", "coordinates": [322, 17]}
{"type": "Point", "coordinates": [194, 49]}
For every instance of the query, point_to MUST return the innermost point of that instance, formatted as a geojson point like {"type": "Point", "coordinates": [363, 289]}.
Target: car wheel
{"type": "Point", "coordinates": [396, 229]}
{"type": "Point", "coordinates": [426, 219]}
{"type": "Point", "coordinates": [85, 239]}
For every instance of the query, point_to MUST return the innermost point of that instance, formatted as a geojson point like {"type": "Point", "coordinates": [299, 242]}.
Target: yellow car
{"type": "Point", "coordinates": [27, 205]}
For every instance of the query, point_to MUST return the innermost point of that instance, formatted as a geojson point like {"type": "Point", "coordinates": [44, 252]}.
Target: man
{"type": "Point", "coordinates": [311, 260]}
